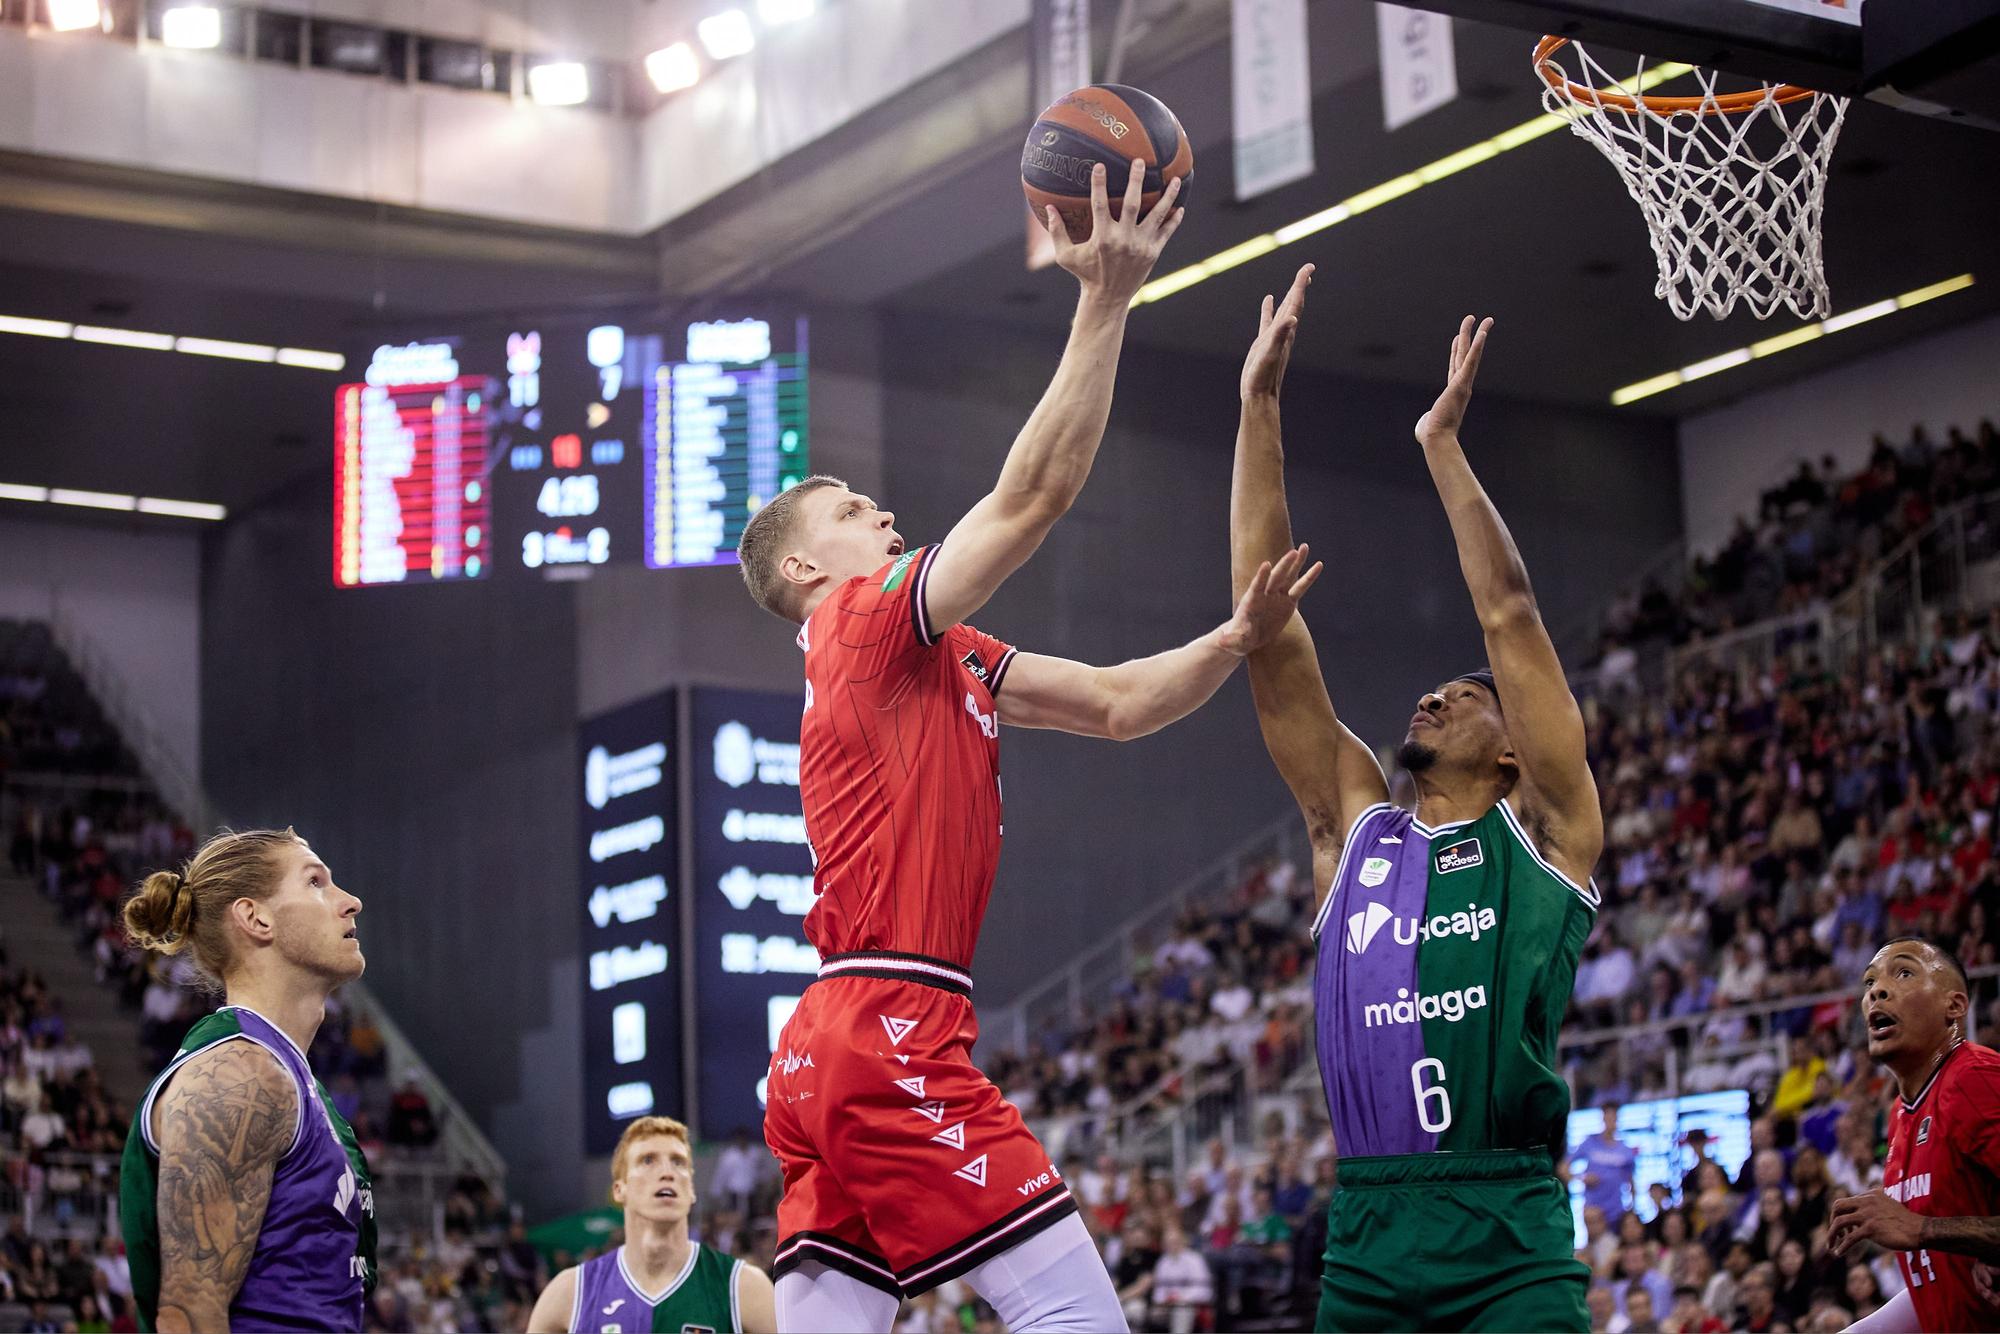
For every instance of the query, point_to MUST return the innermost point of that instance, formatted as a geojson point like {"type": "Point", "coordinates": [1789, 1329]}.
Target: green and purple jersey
{"type": "Point", "coordinates": [1446, 960]}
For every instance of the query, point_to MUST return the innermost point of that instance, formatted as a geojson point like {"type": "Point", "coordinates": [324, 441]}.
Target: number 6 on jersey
{"type": "Point", "coordinates": [1442, 1121]}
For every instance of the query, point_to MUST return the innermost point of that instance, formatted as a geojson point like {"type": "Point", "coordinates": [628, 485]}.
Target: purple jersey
{"type": "Point", "coordinates": [701, 1299]}
{"type": "Point", "coordinates": [310, 1267]}
{"type": "Point", "coordinates": [1446, 957]}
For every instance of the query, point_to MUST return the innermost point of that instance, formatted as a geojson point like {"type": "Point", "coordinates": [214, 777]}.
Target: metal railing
{"type": "Point", "coordinates": [177, 785]}
{"type": "Point", "coordinates": [1089, 979]}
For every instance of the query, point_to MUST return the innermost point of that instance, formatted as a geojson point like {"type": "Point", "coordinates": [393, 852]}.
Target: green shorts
{"type": "Point", "coordinates": [1451, 1241]}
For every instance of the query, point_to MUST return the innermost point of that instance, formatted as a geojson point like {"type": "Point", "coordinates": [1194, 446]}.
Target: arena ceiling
{"type": "Point", "coordinates": [1543, 238]}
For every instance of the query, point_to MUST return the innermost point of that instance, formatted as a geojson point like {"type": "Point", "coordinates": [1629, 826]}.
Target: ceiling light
{"type": "Point", "coordinates": [96, 500]}
{"type": "Point", "coordinates": [1659, 384]}
{"type": "Point", "coordinates": [218, 347]}
{"type": "Point", "coordinates": [72, 15]}
{"type": "Point", "coordinates": [673, 68]}
{"type": "Point", "coordinates": [1377, 195]}
{"type": "Point", "coordinates": [151, 342]}
{"type": "Point", "coordinates": [307, 359]}
{"type": "Point", "coordinates": [182, 509]}
{"type": "Point", "coordinates": [9, 491]}
{"type": "Point", "coordinates": [726, 34]}
{"type": "Point", "coordinates": [559, 83]}
{"type": "Point", "coordinates": [777, 13]}
{"type": "Point", "coordinates": [192, 27]}
{"type": "Point", "coordinates": [35, 328]}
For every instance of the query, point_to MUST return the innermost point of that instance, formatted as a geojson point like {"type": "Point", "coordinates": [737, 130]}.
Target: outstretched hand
{"type": "Point", "coordinates": [1269, 601]}
{"type": "Point", "coordinates": [1277, 329]}
{"type": "Point", "coordinates": [1448, 413]}
{"type": "Point", "coordinates": [1115, 259]}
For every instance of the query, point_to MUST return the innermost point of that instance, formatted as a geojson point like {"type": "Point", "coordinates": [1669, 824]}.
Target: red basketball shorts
{"type": "Point", "coordinates": [903, 1165]}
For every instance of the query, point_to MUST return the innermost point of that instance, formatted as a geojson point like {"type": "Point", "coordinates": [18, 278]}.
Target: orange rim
{"type": "Point", "coordinates": [1722, 104]}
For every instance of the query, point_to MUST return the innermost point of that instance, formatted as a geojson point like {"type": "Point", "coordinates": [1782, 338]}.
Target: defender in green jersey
{"type": "Point", "coordinates": [1448, 936]}
{"type": "Point", "coordinates": [659, 1279]}
{"type": "Point", "coordinates": [244, 1199]}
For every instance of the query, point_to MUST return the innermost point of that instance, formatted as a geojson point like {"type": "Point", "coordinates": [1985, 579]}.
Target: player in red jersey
{"type": "Point", "coordinates": [903, 1165]}
{"type": "Point", "coordinates": [1939, 1206]}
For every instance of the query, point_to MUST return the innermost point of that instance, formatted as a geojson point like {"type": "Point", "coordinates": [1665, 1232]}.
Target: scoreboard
{"type": "Point", "coordinates": [556, 447]}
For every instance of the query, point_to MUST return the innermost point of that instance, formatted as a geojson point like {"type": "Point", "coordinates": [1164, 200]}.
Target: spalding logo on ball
{"type": "Point", "coordinates": [1108, 123]}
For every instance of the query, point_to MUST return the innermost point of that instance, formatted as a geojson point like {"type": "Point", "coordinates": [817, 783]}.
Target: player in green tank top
{"type": "Point", "coordinates": [1448, 937]}
{"type": "Point", "coordinates": [659, 1279]}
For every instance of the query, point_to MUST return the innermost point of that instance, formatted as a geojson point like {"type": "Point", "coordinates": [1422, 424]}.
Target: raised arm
{"type": "Point", "coordinates": [222, 1124]}
{"type": "Point", "coordinates": [1139, 697]}
{"type": "Point", "coordinates": [1332, 775]}
{"type": "Point", "coordinates": [1051, 457]}
{"type": "Point", "coordinates": [1559, 796]}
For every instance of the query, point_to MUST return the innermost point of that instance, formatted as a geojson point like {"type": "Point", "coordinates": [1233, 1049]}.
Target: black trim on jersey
{"type": "Point", "coordinates": [1910, 1105]}
{"type": "Point", "coordinates": [920, 612]}
{"type": "Point", "coordinates": [835, 1254]}
{"type": "Point", "coordinates": [1000, 672]}
{"type": "Point", "coordinates": [991, 1245]}
{"type": "Point", "coordinates": [889, 958]}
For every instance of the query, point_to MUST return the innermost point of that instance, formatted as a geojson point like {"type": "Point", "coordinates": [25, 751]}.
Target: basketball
{"type": "Point", "coordinates": [1108, 123]}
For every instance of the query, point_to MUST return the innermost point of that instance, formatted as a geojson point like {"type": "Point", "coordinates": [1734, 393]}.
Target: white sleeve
{"type": "Point", "coordinates": [1898, 1315]}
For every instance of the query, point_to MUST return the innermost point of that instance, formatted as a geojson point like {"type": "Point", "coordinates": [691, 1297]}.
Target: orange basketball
{"type": "Point", "coordinates": [1108, 123]}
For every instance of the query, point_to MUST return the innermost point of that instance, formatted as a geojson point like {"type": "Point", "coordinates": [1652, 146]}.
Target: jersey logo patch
{"type": "Point", "coordinates": [955, 1136]}
{"type": "Point", "coordinates": [1362, 926]}
{"type": "Point", "coordinates": [898, 1029]}
{"type": "Point", "coordinates": [1924, 1131]}
{"type": "Point", "coordinates": [613, 1308]}
{"type": "Point", "coordinates": [1460, 856]}
{"type": "Point", "coordinates": [933, 1110]}
{"type": "Point", "coordinates": [974, 1171]}
{"type": "Point", "coordinates": [1375, 870]}
{"type": "Point", "coordinates": [914, 1085]}
{"type": "Point", "coordinates": [972, 664]}
{"type": "Point", "coordinates": [898, 570]}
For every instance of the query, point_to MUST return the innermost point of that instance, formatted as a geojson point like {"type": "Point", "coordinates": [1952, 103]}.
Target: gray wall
{"type": "Point", "coordinates": [423, 737]}
{"type": "Point", "coordinates": [1096, 832]}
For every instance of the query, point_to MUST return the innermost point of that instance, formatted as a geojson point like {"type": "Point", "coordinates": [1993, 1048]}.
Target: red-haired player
{"type": "Point", "coordinates": [1939, 1206]}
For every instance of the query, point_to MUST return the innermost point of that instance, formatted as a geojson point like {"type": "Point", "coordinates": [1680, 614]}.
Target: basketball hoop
{"type": "Point", "coordinates": [1732, 185]}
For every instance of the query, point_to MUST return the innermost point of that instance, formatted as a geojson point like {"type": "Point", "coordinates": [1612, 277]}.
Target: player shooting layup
{"type": "Point", "coordinates": [903, 1165]}
{"type": "Point", "coordinates": [1941, 1184]}
{"type": "Point", "coordinates": [1448, 937]}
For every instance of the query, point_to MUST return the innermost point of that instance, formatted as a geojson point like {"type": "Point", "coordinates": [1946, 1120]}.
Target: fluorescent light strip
{"type": "Point", "coordinates": [35, 328]}
{"type": "Point", "coordinates": [217, 347]}
{"type": "Point", "coordinates": [96, 500]}
{"type": "Point", "coordinates": [1783, 342]}
{"type": "Point", "coordinates": [182, 509]}
{"type": "Point", "coordinates": [1375, 196]}
{"type": "Point", "coordinates": [112, 500]}
{"type": "Point", "coordinates": [151, 342]}
{"type": "Point", "coordinates": [305, 358]}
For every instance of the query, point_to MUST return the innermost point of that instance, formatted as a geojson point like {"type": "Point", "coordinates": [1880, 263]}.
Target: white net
{"type": "Point", "coordinates": [1731, 185]}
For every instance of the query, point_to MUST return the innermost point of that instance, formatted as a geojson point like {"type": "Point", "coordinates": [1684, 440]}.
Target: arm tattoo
{"type": "Point", "coordinates": [222, 1125]}
{"type": "Point", "coordinates": [1976, 1237]}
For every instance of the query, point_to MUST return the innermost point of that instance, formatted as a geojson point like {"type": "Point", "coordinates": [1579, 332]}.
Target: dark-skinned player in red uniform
{"type": "Point", "coordinates": [1939, 1205]}
{"type": "Point", "coordinates": [903, 1165]}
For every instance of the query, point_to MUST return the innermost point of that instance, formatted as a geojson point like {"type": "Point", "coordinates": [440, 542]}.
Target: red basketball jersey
{"type": "Point", "coordinates": [899, 768]}
{"type": "Point", "coordinates": [1944, 1162]}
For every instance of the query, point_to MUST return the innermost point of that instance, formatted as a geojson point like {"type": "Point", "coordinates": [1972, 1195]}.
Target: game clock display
{"type": "Point", "coordinates": [553, 447]}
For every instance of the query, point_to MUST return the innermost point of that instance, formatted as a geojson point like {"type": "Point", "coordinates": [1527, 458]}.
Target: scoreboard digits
{"type": "Point", "coordinates": [558, 447]}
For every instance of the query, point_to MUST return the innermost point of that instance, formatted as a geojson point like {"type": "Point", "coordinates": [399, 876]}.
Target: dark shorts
{"type": "Point", "coordinates": [1451, 1241]}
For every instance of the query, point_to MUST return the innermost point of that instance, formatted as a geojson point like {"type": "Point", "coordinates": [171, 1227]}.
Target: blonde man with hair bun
{"type": "Point", "coordinates": [660, 1279]}
{"type": "Point", "coordinates": [244, 1199]}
